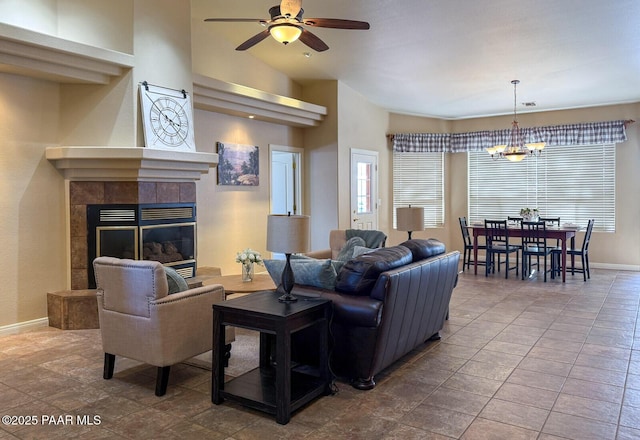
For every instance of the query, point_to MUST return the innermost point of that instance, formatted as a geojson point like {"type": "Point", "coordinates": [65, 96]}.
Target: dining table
{"type": "Point", "coordinates": [562, 233]}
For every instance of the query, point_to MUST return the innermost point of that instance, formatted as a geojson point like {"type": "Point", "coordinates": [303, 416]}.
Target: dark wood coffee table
{"type": "Point", "coordinates": [273, 387]}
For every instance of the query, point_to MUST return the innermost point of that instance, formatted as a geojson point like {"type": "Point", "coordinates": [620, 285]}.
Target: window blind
{"type": "Point", "coordinates": [574, 183]}
{"type": "Point", "coordinates": [418, 180]}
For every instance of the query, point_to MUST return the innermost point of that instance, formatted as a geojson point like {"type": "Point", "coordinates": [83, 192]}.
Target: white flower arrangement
{"type": "Point", "coordinates": [529, 211]}
{"type": "Point", "coordinates": [248, 256]}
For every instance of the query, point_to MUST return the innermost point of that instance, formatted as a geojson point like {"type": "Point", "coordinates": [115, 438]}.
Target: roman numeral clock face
{"type": "Point", "coordinates": [167, 121]}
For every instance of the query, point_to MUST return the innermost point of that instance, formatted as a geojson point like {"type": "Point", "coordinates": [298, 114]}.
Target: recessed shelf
{"type": "Point", "coordinates": [237, 100]}
{"type": "Point", "coordinates": [33, 54]}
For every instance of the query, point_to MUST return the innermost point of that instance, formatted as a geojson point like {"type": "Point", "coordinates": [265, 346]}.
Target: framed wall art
{"type": "Point", "coordinates": [238, 164]}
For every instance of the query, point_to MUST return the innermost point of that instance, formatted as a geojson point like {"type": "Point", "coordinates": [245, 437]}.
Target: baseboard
{"type": "Point", "coordinates": [592, 265]}
{"type": "Point", "coordinates": [20, 327]}
{"type": "Point", "coordinates": [629, 267]}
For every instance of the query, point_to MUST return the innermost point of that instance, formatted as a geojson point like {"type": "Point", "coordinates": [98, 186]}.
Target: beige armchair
{"type": "Point", "coordinates": [139, 320]}
{"type": "Point", "coordinates": [338, 238]}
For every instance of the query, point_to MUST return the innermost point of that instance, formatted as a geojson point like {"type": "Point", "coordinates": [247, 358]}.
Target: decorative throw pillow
{"type": "Point", "coordinates": [346, 253]}
{"type": "Point", "coordinates": [175, 281]}
{"type": "Point", "coordinates": [309, 272]}
{"type": "Point", "coordinates": [359, 250]}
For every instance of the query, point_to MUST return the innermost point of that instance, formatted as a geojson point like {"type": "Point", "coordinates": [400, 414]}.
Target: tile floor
{"type": "Point", "coordinates": [518, 360]}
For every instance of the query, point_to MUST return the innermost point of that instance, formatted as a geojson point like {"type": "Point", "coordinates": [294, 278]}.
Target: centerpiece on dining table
{"type": "Point", "coordinates": [530, 215]}
{"type": "Point", "coordinates": [248, 258]}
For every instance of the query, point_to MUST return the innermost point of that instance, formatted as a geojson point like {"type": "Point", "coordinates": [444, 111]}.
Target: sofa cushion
{"type": "Point", "coordinates": [175, 281]}
{"type": "Point", "coordinates": [306, 271]}
{"type": "Point", "coordinates": [359, 275]}
{"type": "Point", "coordinates": [421, 248]}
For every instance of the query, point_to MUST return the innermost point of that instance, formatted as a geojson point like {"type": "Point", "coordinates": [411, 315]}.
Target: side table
{"type": "Point", "coordinates": [274, 387]}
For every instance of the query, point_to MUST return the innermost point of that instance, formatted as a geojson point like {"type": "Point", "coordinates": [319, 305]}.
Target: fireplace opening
{"type": "Point", "coordinates": [159, 232]}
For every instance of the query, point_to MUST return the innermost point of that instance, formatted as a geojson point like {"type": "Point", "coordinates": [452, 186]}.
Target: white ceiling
{"type": "Point", "coordinates": [456, 58]}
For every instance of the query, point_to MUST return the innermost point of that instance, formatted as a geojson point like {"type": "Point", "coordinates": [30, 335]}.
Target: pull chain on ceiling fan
{"type": "Point", "coordinates": [286, 25]}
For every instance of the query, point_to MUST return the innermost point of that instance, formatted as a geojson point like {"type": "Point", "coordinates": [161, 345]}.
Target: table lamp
{"type": "Point", "coordinates": [287, 234]}
{"type": "Point", "coordinates": [410, 219]}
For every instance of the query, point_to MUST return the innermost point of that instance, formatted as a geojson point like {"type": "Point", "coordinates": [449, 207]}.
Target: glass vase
{"type": "Point", "coordinates": [247, 272]}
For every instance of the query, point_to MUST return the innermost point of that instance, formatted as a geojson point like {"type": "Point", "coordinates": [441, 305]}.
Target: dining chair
{"type": "Point", "coordinates": [497, 236]}
{"type": "Point", "coordinates": [467, 257]}
{"type": "Point", "coordinates": [552, 221]}
{"type": "Point", "coordinates": [582, 252]}
{"type": "Point", "coordinates": [534, 244]}
{"type": "Point", "coordinates": [517, 220]}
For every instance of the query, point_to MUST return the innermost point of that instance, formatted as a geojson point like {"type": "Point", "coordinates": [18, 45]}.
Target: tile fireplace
{"type": "Point", "coordinates": [139, 220]}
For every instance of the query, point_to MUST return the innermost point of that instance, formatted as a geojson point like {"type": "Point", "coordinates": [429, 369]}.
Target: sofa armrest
{"type": "Point", "coordinates": [349, 310]}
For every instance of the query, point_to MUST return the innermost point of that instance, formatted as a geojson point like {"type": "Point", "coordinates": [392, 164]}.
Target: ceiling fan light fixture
{"type": "Point", "coordinates": [285, 33]}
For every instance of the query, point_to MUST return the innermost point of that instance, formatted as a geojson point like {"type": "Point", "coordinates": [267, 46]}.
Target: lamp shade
{"type": "Point", "coordinates": [288, 234]}
{"type": "Point", "coordinates": [410, 219]}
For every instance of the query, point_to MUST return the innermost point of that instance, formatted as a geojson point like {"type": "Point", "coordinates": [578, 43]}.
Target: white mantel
{"type": "Point", "coordinates": [130, 164]}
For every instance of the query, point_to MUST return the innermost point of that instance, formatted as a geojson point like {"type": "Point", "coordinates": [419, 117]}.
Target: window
{"type": "Point", "coordinates": [574, 183]}
{"type": "Point", "coordinates": [418, 180]}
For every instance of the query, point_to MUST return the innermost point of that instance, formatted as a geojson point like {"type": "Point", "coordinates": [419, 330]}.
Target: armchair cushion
{"type": "Point", "coordinates": [307, 271]}
{"type": "Point", "coordinates": [175, 281]}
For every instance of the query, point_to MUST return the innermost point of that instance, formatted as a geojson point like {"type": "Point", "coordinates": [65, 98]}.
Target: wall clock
{"type": "Point", "coordinates": [167, 118]}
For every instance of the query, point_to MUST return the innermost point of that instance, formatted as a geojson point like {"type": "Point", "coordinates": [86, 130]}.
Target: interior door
{"type": "Point", "coordinates": [364, 189]}
{"type": "Point", "coordinates": [286, 178]}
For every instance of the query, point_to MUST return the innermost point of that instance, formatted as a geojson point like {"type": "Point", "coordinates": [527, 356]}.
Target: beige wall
{"type": "Point", "coordinates": [322, 192]}
{"type": "Point", "coordinates": [32, 200]}
{"type": "Point", "coordinates": [620, 249]}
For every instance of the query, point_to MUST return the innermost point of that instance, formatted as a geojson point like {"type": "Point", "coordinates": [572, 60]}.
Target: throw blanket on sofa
{"type": "Point", "coordinates": [373, 239]}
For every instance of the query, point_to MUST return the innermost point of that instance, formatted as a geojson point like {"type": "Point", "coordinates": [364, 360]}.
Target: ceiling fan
{"type": "Point", "coordinates": [287, 25]}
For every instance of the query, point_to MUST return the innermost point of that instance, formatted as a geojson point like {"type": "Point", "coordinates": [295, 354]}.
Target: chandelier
{"type": "Point", "coordinates": [515, 150]}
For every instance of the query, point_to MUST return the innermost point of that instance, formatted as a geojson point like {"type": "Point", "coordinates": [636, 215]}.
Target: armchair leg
{"type": "Point", "coordinates": [109, 364]}
{"type": "Point", "coordinates": [162, 380]}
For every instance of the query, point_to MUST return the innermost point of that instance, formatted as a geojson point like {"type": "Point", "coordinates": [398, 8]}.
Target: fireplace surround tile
{"type": "Point", "coordinates": [188, 192]}
{"type": "Point", "coordinates": [120, 192]}
{"type": "Point", "coordinates": [83, 193]}
{"type": "Point", "coordinates": [168, 192]}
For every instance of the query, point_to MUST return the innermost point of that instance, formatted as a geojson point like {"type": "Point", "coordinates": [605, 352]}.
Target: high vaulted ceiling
{"type": "Point", "coordinates": [455, 59]}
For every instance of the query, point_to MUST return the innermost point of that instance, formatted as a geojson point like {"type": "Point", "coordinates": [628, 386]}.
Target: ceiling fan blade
{"type": "Point", "coordinates": [290, 7]}
{"type": "Point", "coordinates": [236, 20]}
{"type": "Point", "coordinates": [336, 23]}
{"type": "Point", "coordinates": [312, 41]}
{"type": "Point", "coordinates": [254, 40]}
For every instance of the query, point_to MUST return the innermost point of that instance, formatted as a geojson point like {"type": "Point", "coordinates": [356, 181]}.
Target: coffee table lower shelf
{"type": "Point", "coordinates": [257, 389]}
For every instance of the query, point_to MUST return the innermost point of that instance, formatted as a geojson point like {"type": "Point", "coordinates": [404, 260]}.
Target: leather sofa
{"type": "Point", "coordinates": [386, 303]}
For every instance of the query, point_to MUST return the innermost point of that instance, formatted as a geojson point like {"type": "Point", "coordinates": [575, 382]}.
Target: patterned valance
{"type": "Point", "coordinates": [588, 133]}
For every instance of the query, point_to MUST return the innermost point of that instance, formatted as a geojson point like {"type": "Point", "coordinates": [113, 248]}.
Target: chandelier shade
{"type": "Point", "coordinates": [515, 150]}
